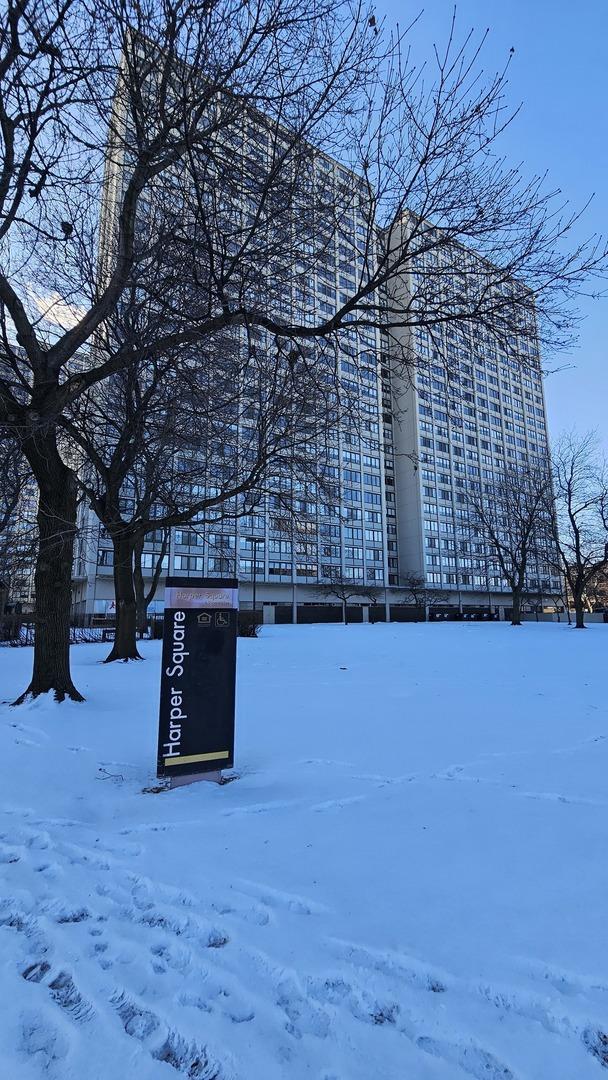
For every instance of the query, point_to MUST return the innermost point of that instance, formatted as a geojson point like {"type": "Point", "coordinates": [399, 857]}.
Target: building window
{"type": "Point", "coordinates": [187, 538]}
{"type": "Point", "coordinates": [189, 562]}
{"type": "Point", "coordinates": [219, 565]}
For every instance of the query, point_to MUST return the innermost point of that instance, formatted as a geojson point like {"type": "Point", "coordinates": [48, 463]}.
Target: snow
{"type": "Point", "coordinates": [407, 882]}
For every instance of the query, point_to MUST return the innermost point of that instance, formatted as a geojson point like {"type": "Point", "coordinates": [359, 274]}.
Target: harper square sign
{"type": "Point", "coordinates": [196, 727]}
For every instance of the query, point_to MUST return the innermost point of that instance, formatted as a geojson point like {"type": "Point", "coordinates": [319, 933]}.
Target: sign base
{"type": "Point", "coordinates": [180, 781]}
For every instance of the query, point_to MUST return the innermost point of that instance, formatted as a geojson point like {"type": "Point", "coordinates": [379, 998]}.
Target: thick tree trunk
{"type": "Point", "coordinates": [125, 637]}
{"type": "Point", "coordinates": [141, 620]}
{"type": "Point", "coordinates": [141, 600]}
{"type": "Point", "coordinates": [579, 609]}
{"type": "Point", "coordinates": [516, 608]}
{"type": "Point", "coordinates": [53, 572]}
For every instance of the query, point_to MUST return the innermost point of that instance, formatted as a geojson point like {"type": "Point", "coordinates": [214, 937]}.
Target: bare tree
{"type": "Point", "coordinates": [422, 596]}
{"type": "Point", "coordinates": [580, 482]}
{"type": "Point", "coordinates": [345, 589]}
{"type": "Point", "coordinates": [104, 101]}
{"type": "Point", "coordinates": [162, 450]}
{"type": "Point", "coordinates": [153, 110]}
{"type": "Point", "coordinates": [514, 518]}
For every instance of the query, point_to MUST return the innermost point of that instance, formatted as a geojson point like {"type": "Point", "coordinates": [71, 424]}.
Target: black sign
{"type": "Point", "coordinates": [196, 728]}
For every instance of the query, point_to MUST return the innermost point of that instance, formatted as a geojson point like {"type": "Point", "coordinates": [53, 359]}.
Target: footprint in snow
{"type": "Point", "coordinates": [65, 993]}
{"type": "Point", "coordinates": [478, 1063]}
{"type": "Point", "coordinates": [36, 972]}
{"type": "Point", "coordinates": [62, 989]}
{"type": "Point", "coordinates": [275, 898]}
{"type": "Point", "coordinates": [304, 1015]}
{"type": "Point", "coordinates": [363, 1006]}
{"type": "Point", "coordinates": [78, 916]}
{"type": "Point", "coordinates": [238, 1011]}
{"type": "Point", "coordinates": [137, 1021]}
{"type": "Point", "coordinates": [40, 1040]}
{"type": "Point", "coordinates": [596, 1042]}
{"type": "Point", "coordinates": [7, 856]}
{"type": "Point", "coordinates": [186, 1057]}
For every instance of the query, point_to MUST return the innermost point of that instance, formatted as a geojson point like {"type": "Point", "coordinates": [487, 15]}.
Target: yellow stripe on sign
{"type": "Point", "coordinates": [189, 759]}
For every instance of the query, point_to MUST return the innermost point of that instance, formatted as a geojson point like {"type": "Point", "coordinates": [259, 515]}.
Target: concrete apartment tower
{"type": "Point", "coordinates": [460, 410]}
{"type": "Point", "coordinates": [468, 408]}
{"type": "Point", "coordinates": [349, 541]}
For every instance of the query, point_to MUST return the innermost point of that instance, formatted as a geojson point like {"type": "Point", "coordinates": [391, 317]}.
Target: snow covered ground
{"type": "Point", "coordinates": [408, 881]}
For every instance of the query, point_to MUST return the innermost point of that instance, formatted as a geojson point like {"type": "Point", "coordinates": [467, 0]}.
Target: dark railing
{"type": "Point", "coordinates": [20, 630]}
{"type": "Point", "coordinates": [17, 630]}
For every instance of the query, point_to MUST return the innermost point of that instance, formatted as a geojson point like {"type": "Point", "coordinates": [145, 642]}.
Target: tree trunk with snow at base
{"type": "Point", "coordinates": [580, 619]}
{"type": "Point", "coordinates": [56, 519]}
{"type": "Point", "coordinates": [579, 609]}
{"type": "Point", "coordinates": [516, 608]}
{"type": "Point", "coordinates": [142, 597]}
{"type": "Point", "coordinates": [125, 637]}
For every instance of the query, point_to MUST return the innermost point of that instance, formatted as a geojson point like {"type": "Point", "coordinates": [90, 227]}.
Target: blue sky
{"type": "Point", "coordinates": [558, 73]}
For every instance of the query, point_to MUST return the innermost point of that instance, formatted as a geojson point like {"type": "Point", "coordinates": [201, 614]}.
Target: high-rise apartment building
{"type": "Point", "coordinates": [469, 408]}
{"type": "Point", "coordinates": [351, 538]}
{"type": "Point", "coordinates": [467, 411]}
{"type": "Point", "coordinates": [472, 408]}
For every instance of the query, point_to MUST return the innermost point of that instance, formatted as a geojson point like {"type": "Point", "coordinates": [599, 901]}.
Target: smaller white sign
{"type": "Point", "coordinates": [182, 597]}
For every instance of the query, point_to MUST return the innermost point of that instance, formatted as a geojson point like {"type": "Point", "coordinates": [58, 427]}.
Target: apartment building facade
{"type": "Point", "coordinates": [402, 517]}
{"type": "Point", "coordinates": [349, 539]}
{"type": "Point", "coordinates": [465, 409]}
{"type": "Point", "coordinates": [472, 407]}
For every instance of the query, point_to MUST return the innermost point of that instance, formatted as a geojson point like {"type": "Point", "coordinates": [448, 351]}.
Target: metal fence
{"type": "Point", "coordinates": [20, 630]}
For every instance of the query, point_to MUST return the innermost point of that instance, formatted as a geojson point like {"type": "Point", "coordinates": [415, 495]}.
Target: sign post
{"type": "Point", "coordinates": [197, 690]}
